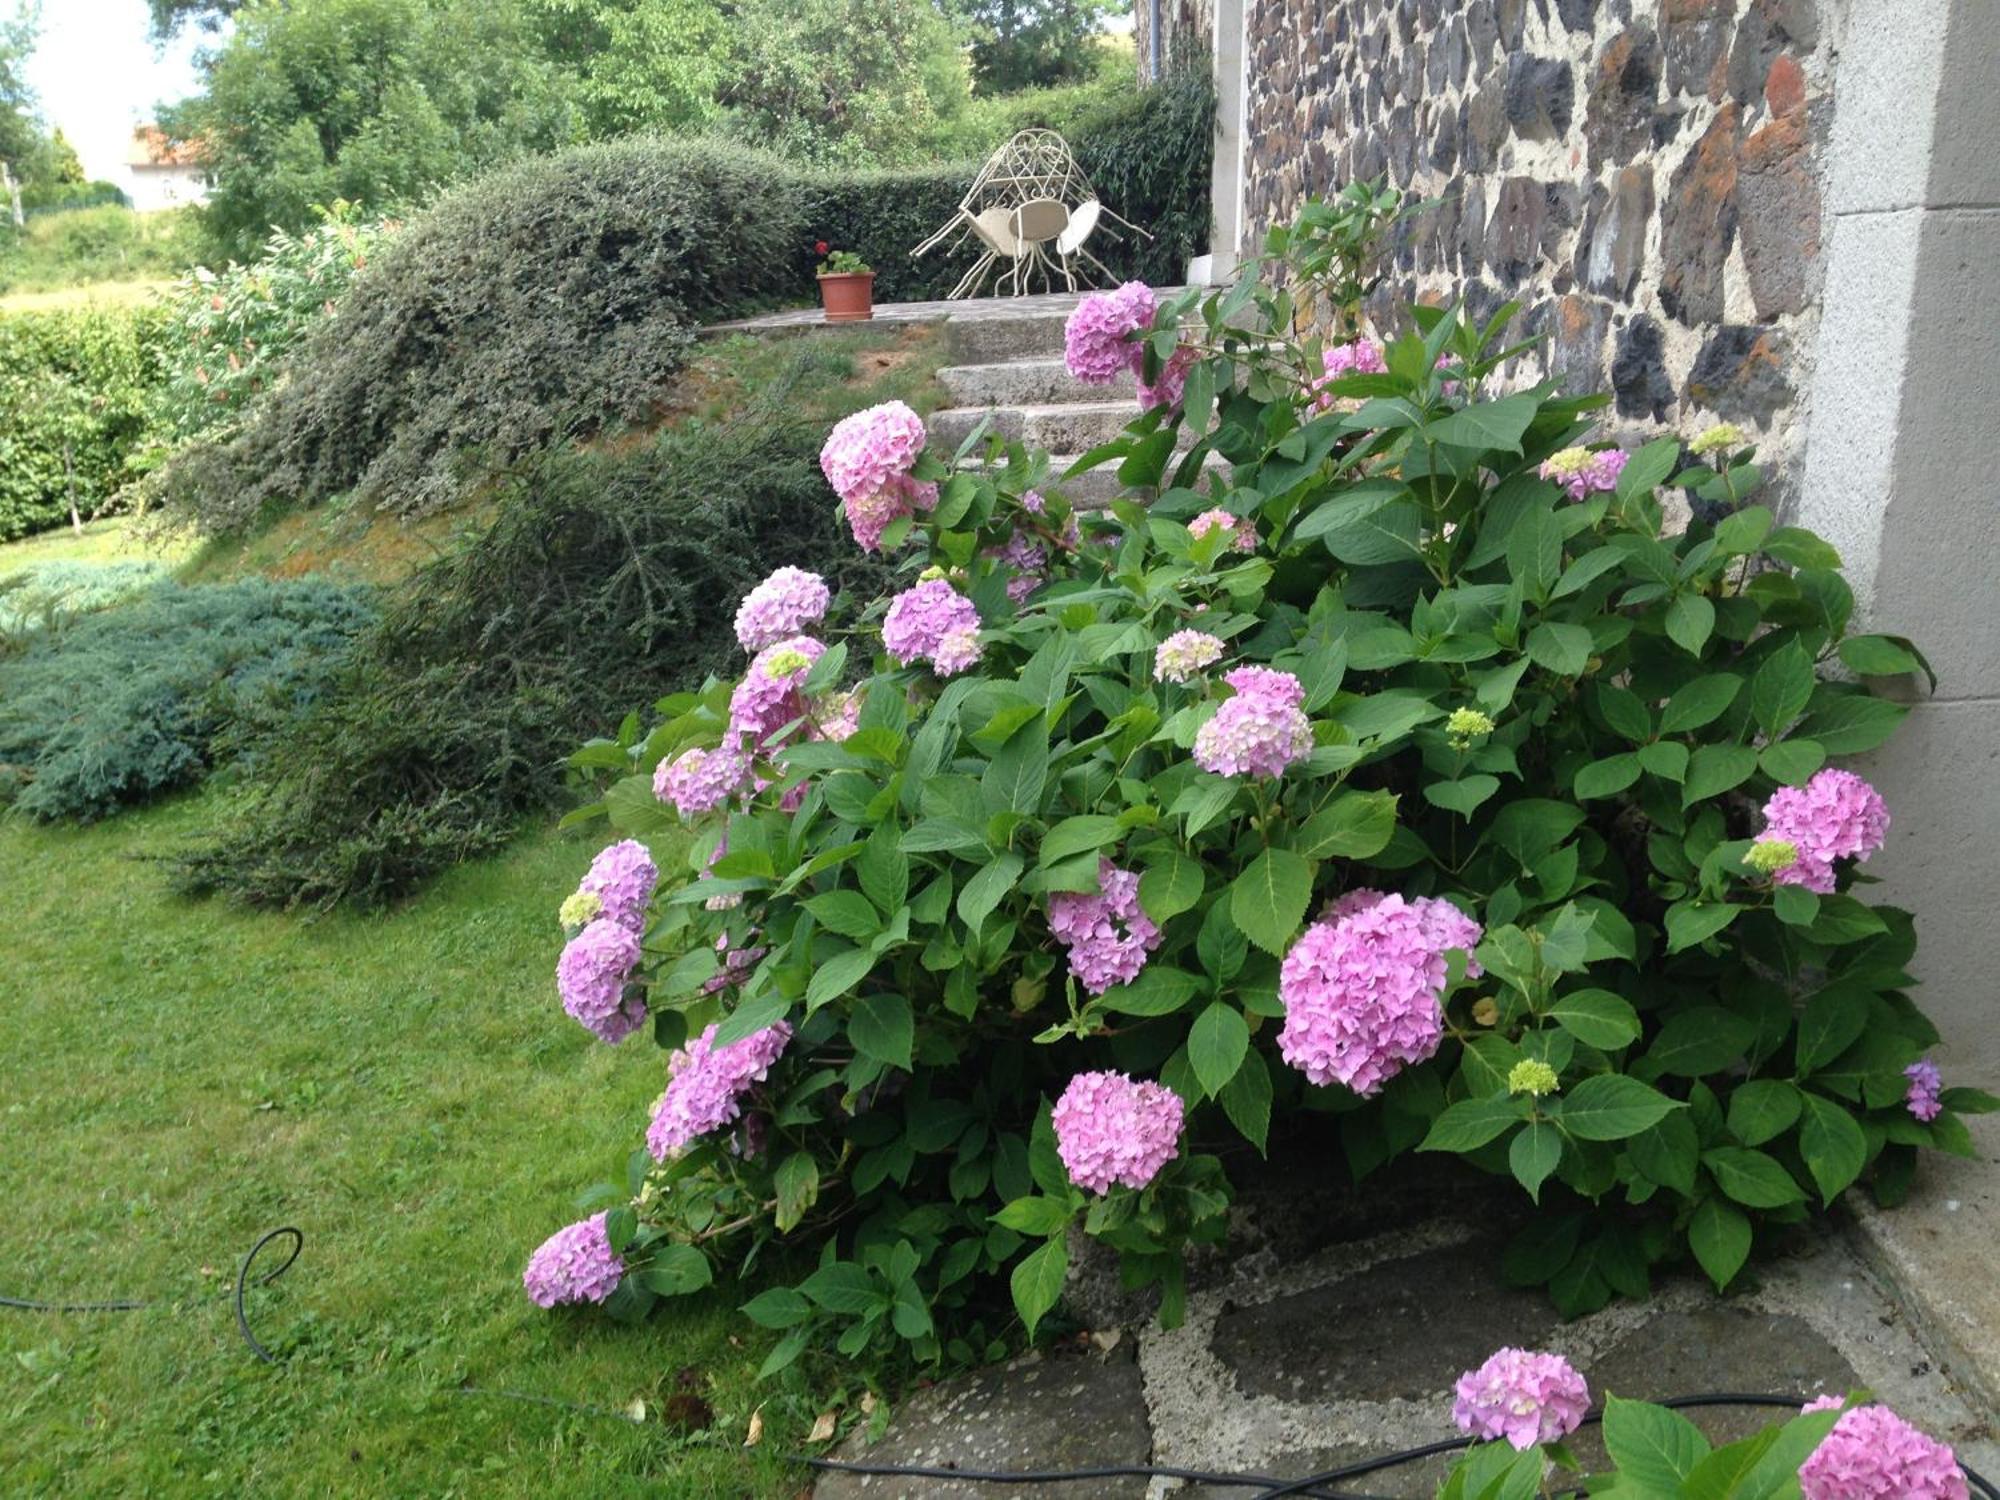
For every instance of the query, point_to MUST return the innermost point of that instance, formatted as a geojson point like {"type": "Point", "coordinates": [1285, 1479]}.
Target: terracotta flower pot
{"type": "Point", "coordinates": [849, 296]}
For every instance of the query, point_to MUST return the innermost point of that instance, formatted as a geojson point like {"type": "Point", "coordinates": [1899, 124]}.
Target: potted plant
{"type": "Point", "coordinates": [846, 285]}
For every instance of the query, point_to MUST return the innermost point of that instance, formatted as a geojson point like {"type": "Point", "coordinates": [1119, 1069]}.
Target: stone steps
{"type": "Point", "coordinates": [1058, 426]}
{"type": "Point", "coordinates": [1017, 382]}
{"type": "Point", "coordinates": [991, 337]}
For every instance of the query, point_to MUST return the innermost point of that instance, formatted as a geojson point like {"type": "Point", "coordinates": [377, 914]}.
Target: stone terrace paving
{"type": "Point", "coordinates": [1335, 1326]}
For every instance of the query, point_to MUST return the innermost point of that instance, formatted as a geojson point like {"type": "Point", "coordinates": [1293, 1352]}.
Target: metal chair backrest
{"type": "Point", "coordinates": [1040, 220]}
{"type": "Point", "coordinates": [995, 228]}
{"type": "Point", "coordinates": [1082, 221]}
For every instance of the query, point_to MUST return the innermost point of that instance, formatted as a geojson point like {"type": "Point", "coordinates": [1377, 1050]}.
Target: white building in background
{"type": "Point", "coordinates": [163, 173]}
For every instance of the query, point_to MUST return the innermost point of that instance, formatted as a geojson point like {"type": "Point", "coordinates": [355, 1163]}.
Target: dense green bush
{"type": "Point", "coordinates": [1419, 787]}
{"type": "Point", "coordinates": [151, 694]}
{"type": "Point", "coordinates": [228, 332]}
{"type": "Point", "coordinates": [1147, 153]}
{"type": "Point", "coordinates": [552, 296]}
{"type": "Point", "coordinates": [602, 579]}
{"type": "Point", "coordinates": [75, 386]}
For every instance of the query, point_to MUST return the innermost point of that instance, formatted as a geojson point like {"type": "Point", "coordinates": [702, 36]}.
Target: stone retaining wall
{"type": "Point", "coordinates": [1641, 175]}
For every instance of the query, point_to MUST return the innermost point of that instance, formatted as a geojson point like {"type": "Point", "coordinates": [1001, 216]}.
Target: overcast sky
{"type": "Point", "coordinates": [97, 74]}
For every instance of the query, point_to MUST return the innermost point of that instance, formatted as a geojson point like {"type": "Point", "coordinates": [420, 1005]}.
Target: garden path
{"type": "Point", "coordinates": [1335, 1327]}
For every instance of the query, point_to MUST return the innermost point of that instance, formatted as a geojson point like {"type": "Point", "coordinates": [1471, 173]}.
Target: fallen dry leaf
{"type": "Point", "coordinates": [756, 1433]}
{"type": "Point", "coordinates": [823, 1428]}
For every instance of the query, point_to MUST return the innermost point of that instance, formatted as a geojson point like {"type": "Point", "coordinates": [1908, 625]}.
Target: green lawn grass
{"type": "Point", "coordinates": [179, 1078]}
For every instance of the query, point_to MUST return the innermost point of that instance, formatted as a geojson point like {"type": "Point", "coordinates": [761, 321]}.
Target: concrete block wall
{"type": "Point", "coordinates": [1900, 466]}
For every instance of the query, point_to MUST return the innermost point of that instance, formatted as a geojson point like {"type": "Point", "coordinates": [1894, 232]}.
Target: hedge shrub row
{"type": "Point", "coordinates": [1148, 155]}
{"type": "Point", "coordinates": [74, 386]}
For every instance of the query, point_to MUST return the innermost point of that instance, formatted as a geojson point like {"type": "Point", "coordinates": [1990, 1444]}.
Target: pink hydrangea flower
{"type": "Point", "coordinates": [575, 1264]}
{"type": "Point", "coordinates": [782, 605]}
{"type": "Point", "coordinates": [1027, 562]}
{"type": "Point", "coordinates": [1361, 357]}
{"type": "Point", "coordinates": [1926, 1085]}
{"type": "Point", "coordinates": [958, 650]}
{"type": "Point", "coordinates": [698, 781]}
{"type": "Point", "coordinates": [1108, 934]}
{"type": "Point", "coordinates": [1260, 731]}
{"type": "Point", "coordinates": [867, 450]}
{"type": "Point", "coordinates": [1034, 503]}
{"type": "Point", "coordinates": [868, 516]}
{"type": "Point", "coordinates": [1828, 1402]}
{"type": "Point", "coordinates": [706, 1085]}
{"type": "Point", "coordinates": [622, 877]}
{"type": "Point", "coordinates": [771, 694]}
{"type": "Point", "coordinates": [1443, 925]}
{"type": "Point", "coordinates": [837, 716]}
{"type": "Point", "coordinates": [1583, 471]}
{"type": "Point", "coordinates": [592, 977]}
{"type": "Point", "coordinates": [1269, 684]}
{"type": "Point", "coordinates": [1111, 1129]}
{"type": "Point", "coordinates": [1873, 1454]}
{"type": "Point", "coordinates": [1524, 1397]}
{"type": "Point", "coordinates": [1183, 655]}
{"type": "Point", "coordinates": [1168, 389]}
{"type": "Point", "coordinates": [1361, 989]}
{"type": "Point", "coordinates": [1096, 348]}
{"type": "Point", "coordinates": [1243, 536]}
{"type": "Point", "coordinates": [921, 617]}
{"type": "Point", "coordinates": [1836, 815]}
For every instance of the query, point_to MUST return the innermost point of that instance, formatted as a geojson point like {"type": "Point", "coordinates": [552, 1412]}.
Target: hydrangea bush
{"type": "Point", "coordinates": [1393, 762]}
{"type": "Point", "coordinates": [1519, 1407]}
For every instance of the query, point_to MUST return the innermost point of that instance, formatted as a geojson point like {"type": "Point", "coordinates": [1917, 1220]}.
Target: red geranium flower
{"type": "Point", "coordinates": [819, 247]}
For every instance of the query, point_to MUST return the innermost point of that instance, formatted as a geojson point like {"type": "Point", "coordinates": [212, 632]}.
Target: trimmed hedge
{"type": "Point", "coordinates": [1148, 153]}
{"type": "Point", "coordinates": [81, 379]}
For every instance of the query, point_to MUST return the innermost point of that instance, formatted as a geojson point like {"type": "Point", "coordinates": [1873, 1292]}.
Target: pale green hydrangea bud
{"type": "Point", "coordinates": [580, 909]}
{"type": "Point", "coordinates": [1719, 438]}
{"type": "Point", "coordinates": [1466, 725]}
{"type": "Point", "coordinates": [1532, 1076]}
{"type": "Point", "coordinates": [1769, 856]}
{"type": "Point", "coordinates": [932, 574]}
{"type": "Point", "coordinates": [785, 663]}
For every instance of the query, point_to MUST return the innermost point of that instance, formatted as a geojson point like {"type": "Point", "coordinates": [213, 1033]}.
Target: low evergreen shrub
{"type": "Point", "coordinates": [118, 706]}
{"type": "Point", "coordinates": [40, 595]}
{"type": "Point", "coordinates": [601, 579]}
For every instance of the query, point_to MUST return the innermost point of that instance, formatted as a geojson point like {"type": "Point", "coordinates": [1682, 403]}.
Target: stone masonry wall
{"type": "Point", "coordinates": [1641, 175]}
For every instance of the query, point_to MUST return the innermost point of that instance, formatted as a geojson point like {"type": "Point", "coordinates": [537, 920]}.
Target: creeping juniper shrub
{"type": "Point", "coordinates": [138, 699]}
{"type": "Point", "coordinates": [600, 582]}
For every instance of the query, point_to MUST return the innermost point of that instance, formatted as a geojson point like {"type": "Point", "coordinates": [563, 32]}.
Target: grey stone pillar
{"type": "Point", "coordinates": [1902, 466]}
{"type": "Point", "coordinates": [1226, 179]}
